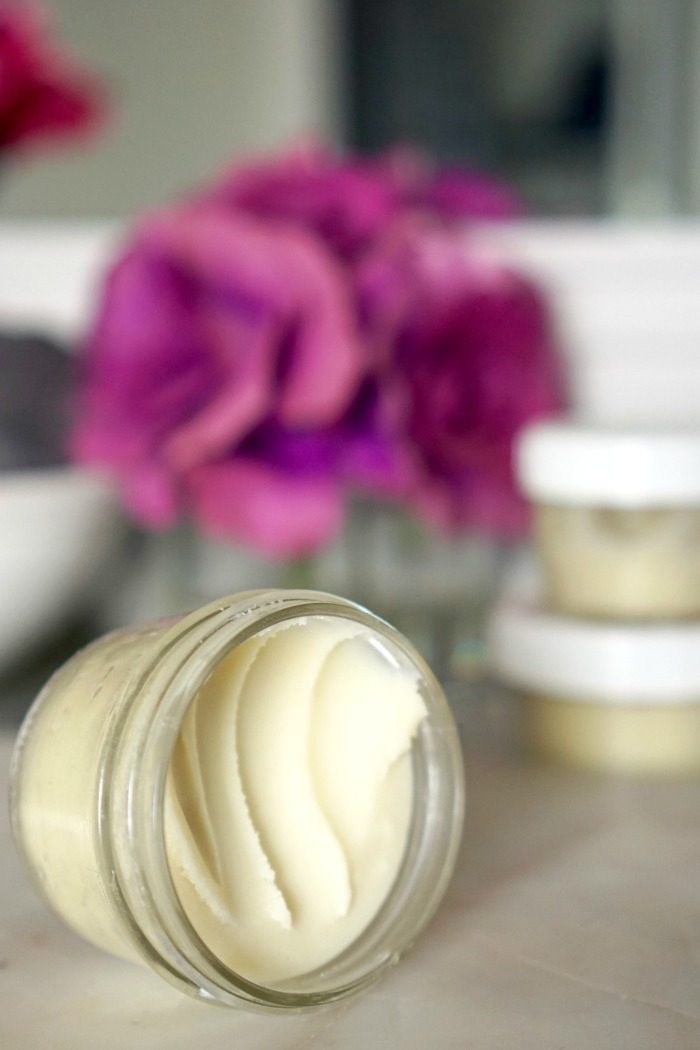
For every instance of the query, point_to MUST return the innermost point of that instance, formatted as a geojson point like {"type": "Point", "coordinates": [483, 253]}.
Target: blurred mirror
{"type": "Point", "coordinates": [587, 107]}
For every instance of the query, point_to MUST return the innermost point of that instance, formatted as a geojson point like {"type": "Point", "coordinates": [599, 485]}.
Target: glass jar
{"type": "Point", "coordinates": [88, 795]}
{"type": "Point", "coordinates": [601, 696]}
{"type": "Point", "coordinates": [616, 519]}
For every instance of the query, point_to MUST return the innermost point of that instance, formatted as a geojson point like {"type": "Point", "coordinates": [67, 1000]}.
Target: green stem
{"type": "Point", "coordinates": [300, 574]}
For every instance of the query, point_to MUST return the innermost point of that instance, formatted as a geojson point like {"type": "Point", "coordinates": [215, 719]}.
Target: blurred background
{"type": "Point", "coordinates": [312, 370]}
{"type": "Point", "coordinates": [588, 110]}
{"type": "Point", "coordinates": [588, 107]}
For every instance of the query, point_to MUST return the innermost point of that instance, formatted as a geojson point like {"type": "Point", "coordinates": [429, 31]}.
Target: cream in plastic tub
{"type": "Point", "coordinates": [602, 696]}
{"type": "Point", "coordinates": [616, 518]}
{"type": "Point", "coordinates": [261, 800]}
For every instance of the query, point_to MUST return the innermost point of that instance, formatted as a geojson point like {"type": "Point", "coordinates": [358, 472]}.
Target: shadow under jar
{"type": "Point", "coordinates": [616, 518]}
{"type": "Point", "coordinates": [261, 800]}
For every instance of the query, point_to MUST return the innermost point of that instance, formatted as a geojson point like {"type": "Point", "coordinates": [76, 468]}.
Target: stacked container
{"type": "Point", "coordinates": [607, 651]}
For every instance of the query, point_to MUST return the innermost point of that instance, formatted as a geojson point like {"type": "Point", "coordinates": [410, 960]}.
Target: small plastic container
{"type": "Point", "coordinates": [617, 697]}
{"type": "Point", "coordinates": [616, 518]}
{"type": "Point", "coordinates": [89, 787]}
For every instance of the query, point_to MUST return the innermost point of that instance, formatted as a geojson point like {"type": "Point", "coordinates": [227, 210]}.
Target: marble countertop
{"type": "Point", "coordinates": [573, 923]}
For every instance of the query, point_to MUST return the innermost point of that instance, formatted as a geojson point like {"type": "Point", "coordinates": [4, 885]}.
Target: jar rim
{"type": "Point", "coordinates": [132, 792]}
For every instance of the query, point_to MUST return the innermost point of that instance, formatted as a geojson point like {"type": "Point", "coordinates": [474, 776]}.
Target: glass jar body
{"type": "Point", "coordinates": [57, 782]}
{"type": "Point", "coordinates": [88, 795]}
{"type": "Point", "coordinates": [620, 563]}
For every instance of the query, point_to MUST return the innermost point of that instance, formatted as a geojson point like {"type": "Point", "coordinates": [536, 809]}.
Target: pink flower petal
{"type": "Point", "coordinates": [44, 95]}
{"type": "Point", "coordinates": [250, 502]}
{"type": "Point", "coordinates": [242, 398]}
{"type": "Point", "coordinates": [285, 273]}
{"type": "Point", "coordinates": [149, 494]}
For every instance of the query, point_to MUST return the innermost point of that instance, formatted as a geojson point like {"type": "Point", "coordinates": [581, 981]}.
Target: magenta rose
{"type": "Point", "coordinates": [350, 202]}
{"type": "Point", "coordinates": [43, 93]}
{"type": "Point", "coordinates": [467, 358]}
{"type": "Point", "coordinates": [222, 344]}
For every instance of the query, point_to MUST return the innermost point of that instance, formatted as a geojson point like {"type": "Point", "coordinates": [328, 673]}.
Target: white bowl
{"type": "Point", "coordinates": [59, 529]}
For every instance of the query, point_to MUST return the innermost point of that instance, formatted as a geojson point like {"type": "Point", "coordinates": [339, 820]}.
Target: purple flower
{"type": "Point", "coordinates": [309, 324]}
{"type": "Point", "coordinates": [43, 94]}
{"type": "Point", "coordinates": [455, 194]}
{"type": "Point", "coordinates": [214, 328]}
{"type": "Point", "coordinates": [350, 202]}
{"type": "Point", "coordinates": [467, 359]}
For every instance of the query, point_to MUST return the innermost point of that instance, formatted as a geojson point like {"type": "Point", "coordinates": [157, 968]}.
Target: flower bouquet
{"type": "Point", "coordinates": [311, 339]}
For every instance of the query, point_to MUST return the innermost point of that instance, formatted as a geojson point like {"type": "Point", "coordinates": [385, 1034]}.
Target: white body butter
{"type": "Point", "coordinates": [290, 795]}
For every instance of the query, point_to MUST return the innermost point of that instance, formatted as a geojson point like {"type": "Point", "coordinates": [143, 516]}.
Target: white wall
{"type": "Point", "coordinates": [193, 81]}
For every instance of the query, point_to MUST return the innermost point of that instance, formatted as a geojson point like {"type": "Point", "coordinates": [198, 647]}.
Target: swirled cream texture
{"type": "Point", "coordinates": [290, 793]}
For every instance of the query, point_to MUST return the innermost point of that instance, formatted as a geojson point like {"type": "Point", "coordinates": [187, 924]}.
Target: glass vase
{"type": "Point", "coordinates": [436, 589]}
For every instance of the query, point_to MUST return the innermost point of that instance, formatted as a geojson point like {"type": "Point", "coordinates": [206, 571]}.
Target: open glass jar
{"type": "Point", "coordinates": [90, 789]}
{"type": "Point", "coordinates": [621, 697]}
{"type": "Point", "coordinates": [616, 518]}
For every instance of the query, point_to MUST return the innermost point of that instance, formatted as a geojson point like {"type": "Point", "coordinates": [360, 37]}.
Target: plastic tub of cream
{"type": "Point", "coordinates": [618, 697]}
{"type": "Point", "coordinates": [616, 518]}
{"type": "Point", "coordinates": [261, 800]}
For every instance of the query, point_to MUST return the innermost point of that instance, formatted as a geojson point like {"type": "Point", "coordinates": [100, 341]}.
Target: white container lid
{"type": "Point", "coordinates": [607, 663]}
{"type": "Point", "coordinates": [586, 464]}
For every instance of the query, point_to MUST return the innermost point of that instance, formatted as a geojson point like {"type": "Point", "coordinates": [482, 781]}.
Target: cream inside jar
{"type": "Point", "coordinates": [616, 518]}
{"type": "Point", "coordinates": [290, 794]}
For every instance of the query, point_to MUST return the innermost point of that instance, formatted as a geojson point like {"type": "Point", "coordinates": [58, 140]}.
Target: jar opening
{"type": "Point", "coordinates": [155, 880]}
